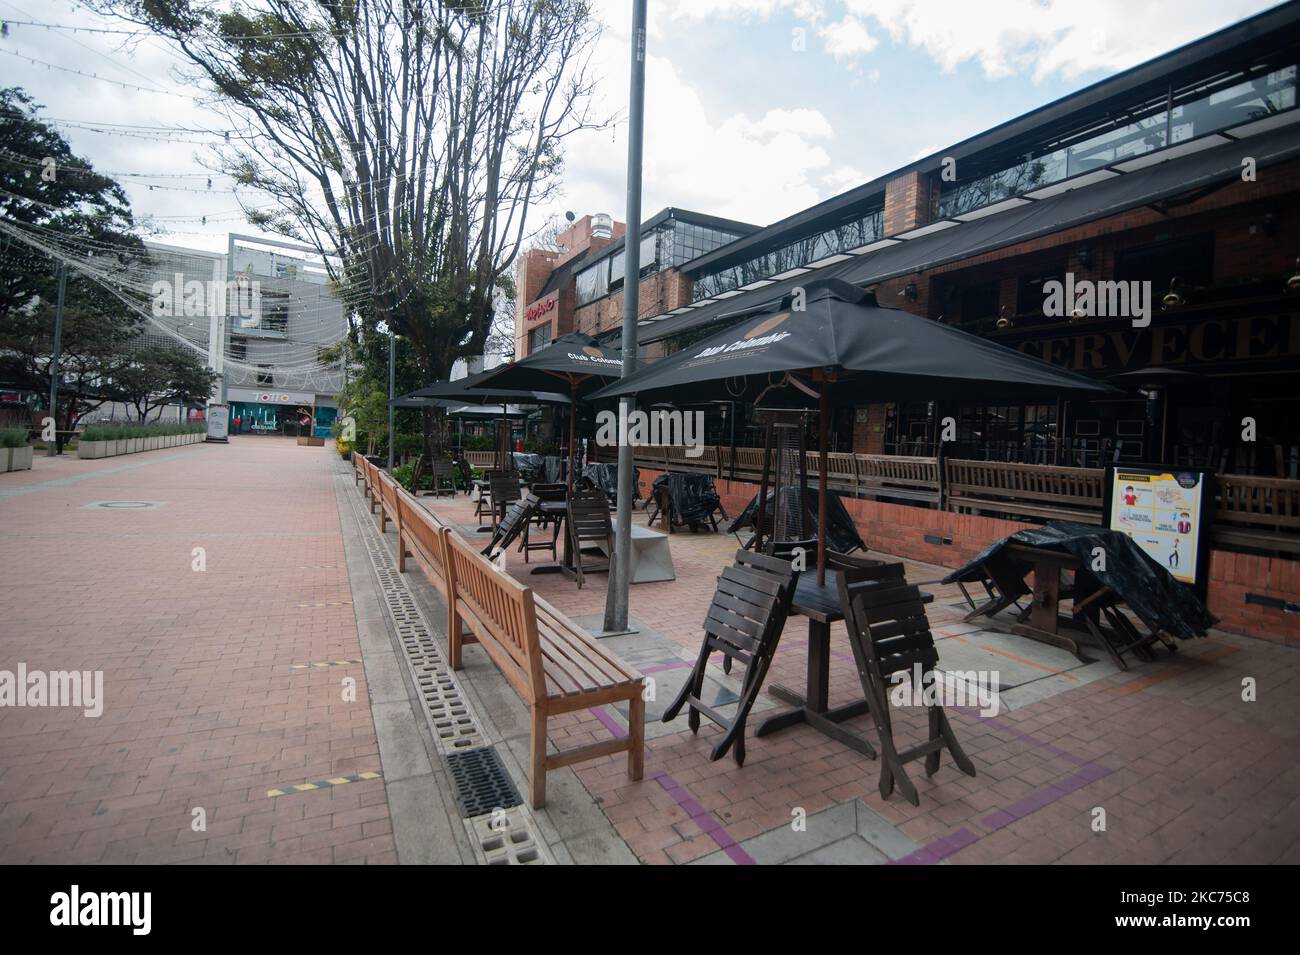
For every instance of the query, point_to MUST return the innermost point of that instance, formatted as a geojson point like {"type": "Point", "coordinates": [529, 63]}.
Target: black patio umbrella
{"type": "Point", "coordinates": [842, 348]}
{"type": "Point", "coordinates": [470, 391]}
{"type": "Point", "coordinates": [573, 359]}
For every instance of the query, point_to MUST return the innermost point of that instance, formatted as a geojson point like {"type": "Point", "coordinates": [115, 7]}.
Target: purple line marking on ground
{"type": "Point", "coordinates": [670, 665]}
{"type": "Point", "coordinates": [939, 849]}
{"type": "Point", "coordinates": [607, 721]}
{"type": "Point", "coordinates": [707, 822]}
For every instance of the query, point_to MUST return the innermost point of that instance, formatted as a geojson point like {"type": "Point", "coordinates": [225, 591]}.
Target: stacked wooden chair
{"type": "Point", "coordinates": [442, 473]}
{"type": "Point", "coordinates": [743, 624]}
{"type": "Point", "coordinates": [890, 633]}
{"type": "Point", "coordinates": [503, 490]}
{"type": "Point", "coordinates": [512, 526]}
{"type": "Point", "coordinates": [588, 518]}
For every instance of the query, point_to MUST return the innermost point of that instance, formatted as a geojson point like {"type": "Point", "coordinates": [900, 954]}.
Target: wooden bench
{"type": "Point", "coordinates": [420, 534]}
{"type": "Point", "coordinates": [898, 477]}
{"type": "Point", "coordinates": [1258, 512]}
{"type": "Point", "coordinates": [551, 663]}
{"type": "Point", "coordinates": [1036, 490]}
{"type": "Point", "coordinates": [371, 473]}
{"type": "Point", "coordinates": [387, 501]}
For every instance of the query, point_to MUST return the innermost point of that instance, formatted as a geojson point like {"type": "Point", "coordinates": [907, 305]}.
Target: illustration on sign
{"type": "Point", "coordinates": [1162, 512]}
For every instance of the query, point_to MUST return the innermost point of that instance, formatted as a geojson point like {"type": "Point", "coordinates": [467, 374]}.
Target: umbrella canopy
{"type": "Point", "coordinates": [862, 352]}
{"type": "Point", "coordinates": [574, 360]}
{"type": "Point", "coordinates": [841, 347]}
{"type": "Point", "coordinates": [470, 391]}
{"type": "Point", "coordinates": [419, 404]}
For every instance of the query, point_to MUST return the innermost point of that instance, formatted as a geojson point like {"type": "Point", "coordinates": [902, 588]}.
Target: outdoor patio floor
{"type": "Point", "coordinates": [1184, 769]}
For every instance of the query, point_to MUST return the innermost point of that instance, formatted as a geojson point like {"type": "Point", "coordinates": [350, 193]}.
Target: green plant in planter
{"type": "Point", "coordinates": [13, 438]}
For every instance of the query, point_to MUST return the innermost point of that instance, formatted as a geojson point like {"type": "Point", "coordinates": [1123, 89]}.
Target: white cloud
{"type": "Point", "coordinates": [847, 39]}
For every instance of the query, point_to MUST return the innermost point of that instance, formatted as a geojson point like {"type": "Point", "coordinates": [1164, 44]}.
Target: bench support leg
{"type": "Point", "coordinates": [636, 729]}
{"type": "Point", "coordinates": [401, 552]}
{"type": "Point", "coordinates": [537, 760]}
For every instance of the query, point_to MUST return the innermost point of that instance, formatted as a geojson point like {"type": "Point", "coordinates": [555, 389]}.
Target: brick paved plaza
{"type": "Point", "coordinates": [228, 687]}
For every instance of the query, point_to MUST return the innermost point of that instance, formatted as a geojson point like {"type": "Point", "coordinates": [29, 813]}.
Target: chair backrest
{"type": "Point", "coordinates": [500, 611]}
{"type": "Point", "coordinates": [518, 514]}
{"type": "Point", "coordinates": [442, 468]}
{"type": "Point", "coordinates": [752, 600]}
{"type": "Point", "coordinates": [589, 516]}
{"type": "Point", "coordinates": [503, 489]}
{"type": "Point", "coordinates": [549, 492]}
{"type": "Point", "coordinates": [428, 539]}
{"type": "Point", "coordinates": [888, 615]}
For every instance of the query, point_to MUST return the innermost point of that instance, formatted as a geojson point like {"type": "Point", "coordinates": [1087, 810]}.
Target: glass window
{"type": "Point", "coordinates": [1204, 111]}
{"type": "Point", "coordinates": [593, 283]}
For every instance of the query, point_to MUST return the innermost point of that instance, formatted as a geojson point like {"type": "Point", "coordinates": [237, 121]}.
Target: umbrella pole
{"type": "Point", "coordinates": [824, 410]}
{"type": "Point", "coordinates": [573, 427]}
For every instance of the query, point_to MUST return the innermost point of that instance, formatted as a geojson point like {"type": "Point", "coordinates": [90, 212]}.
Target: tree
{"type": "Point", "coordinates": [54, 205]}
{"type": "Point", "coordinates": [406, 137]}
{"type": "Point", "coordinates": [159, 375]}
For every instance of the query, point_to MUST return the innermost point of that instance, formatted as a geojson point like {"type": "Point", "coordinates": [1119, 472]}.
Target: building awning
{"type": "Point", "coordinates": [1100, 193]}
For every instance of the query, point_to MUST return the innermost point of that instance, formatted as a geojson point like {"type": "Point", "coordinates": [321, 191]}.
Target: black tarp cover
{"type": "Point", "coordinates": [604, 476]}
{"type": "Point", "coordinates": [841, 533]}
{"type": "Point", "coordinates": [1149, 589]}
{"type": "Point", "coordinates": [693, 495]}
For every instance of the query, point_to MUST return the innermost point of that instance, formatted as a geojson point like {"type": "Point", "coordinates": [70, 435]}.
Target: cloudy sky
{"type": "Point", "coordinates": [755, 109]}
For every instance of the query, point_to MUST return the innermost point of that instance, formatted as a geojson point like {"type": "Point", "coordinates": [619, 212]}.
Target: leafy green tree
{"type": "Point", "coordinates": [405, 140]}
{"type": "Point", "coordinates": [52, 201]}
{"type": "Point", "coordinates": [160, 375]}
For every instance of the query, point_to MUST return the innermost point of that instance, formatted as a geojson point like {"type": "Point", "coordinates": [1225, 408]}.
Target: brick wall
{"type": "Point", "coordinates": [909, 202]}
{"type": "Point", "coordinates": [900, 530]}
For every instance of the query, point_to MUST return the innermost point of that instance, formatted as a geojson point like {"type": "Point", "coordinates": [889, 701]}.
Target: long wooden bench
{"type": "Point", "coordinates": [1037, 490]}
{"type": "Point", "coordinates": [551, 662]}
{"type": "Point", "coordinates": [421, 535]}
{"type": "Point", "coordinates": [1257, 512]}
{"type": "Point", "coordinates": [388, 489]}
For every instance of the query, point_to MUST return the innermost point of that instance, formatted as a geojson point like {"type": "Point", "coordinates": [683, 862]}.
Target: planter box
{"type": "Point", "coordinates": [16, 459]}
{"type": "Point", "coordinates": [312, 442]}
{"type": "Point", "coordinates": [109, 449]}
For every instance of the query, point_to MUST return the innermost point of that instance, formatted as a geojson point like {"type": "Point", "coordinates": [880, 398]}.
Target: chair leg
{"type": "Point", "coordinates": [537, 760]}
{"type": "Point", "coordinates": [636, 729]}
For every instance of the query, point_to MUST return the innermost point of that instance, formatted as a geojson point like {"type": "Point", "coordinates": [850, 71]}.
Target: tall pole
{"type": "Point", "coordinates": [616, 598]}
{"type": "Point", "coordinates": [52, 448]}
{"type": "Point", "coordinates": [392, 381]}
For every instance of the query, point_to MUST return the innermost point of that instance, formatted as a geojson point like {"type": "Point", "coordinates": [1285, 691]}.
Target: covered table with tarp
{"type": "Point", "coordinates": [1110, 572]}
{"type": "Point", "coordinates": [604, 476]}
{"type": "Point", "coordinates": [686, 499]}
{"type": "Point", "coordinates": [841, 533]}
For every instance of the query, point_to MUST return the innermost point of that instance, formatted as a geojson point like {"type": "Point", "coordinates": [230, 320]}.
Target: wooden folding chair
{"type": "Point", "coordinates": [890, 633]}
{"type": "Point", "coordinates": [512, 525]}
{"type": "Point", "coordinates": [744, 624]}
{"type": "Point", "coordinates": [443, 475]}
{"type": "Point", "coordinates": [503, 490]}
{"type": "Point", "coordinates": [589, 523]}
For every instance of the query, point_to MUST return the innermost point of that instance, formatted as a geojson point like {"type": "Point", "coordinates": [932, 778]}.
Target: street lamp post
{"type": "Point", "coordinates": [52, 448]}
{"type": "Point", "coordinates": [392, 379]}
{"type": "Point", "coordinates": [616, 600]}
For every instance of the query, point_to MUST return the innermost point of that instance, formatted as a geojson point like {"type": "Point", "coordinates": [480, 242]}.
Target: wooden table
{"type": "Point", "coordinates": [1042, 619]}
{"type": "Point", "coordinates": [557, 510]}
{"type": "Point", "coordinates": [821, 605]}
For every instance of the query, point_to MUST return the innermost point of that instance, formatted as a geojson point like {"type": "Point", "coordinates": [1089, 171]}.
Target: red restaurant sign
{"type": "Point", "coordinates": [542, 307]}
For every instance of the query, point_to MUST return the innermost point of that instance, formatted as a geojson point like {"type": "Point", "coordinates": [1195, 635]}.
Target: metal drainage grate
{"type": "Point", "coordinates": [452, 722]}
{"type": "Point", "coordinates": [482, 783]}
{"type": "Point", "coordinates": [506, 837]}
{"type": "Point", "coordinates": [137, 505]}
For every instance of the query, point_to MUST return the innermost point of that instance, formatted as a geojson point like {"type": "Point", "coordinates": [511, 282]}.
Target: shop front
{"type": "Point", "coordinates": [282, 413]}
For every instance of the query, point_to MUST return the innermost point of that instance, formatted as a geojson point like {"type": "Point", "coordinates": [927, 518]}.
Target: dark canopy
{"type": "Point", "coordinates": [470, 391]}
{"type": "Point", "coordinates": [572, 363]}
{"type": "Point", "coordinates": [867, 352]}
